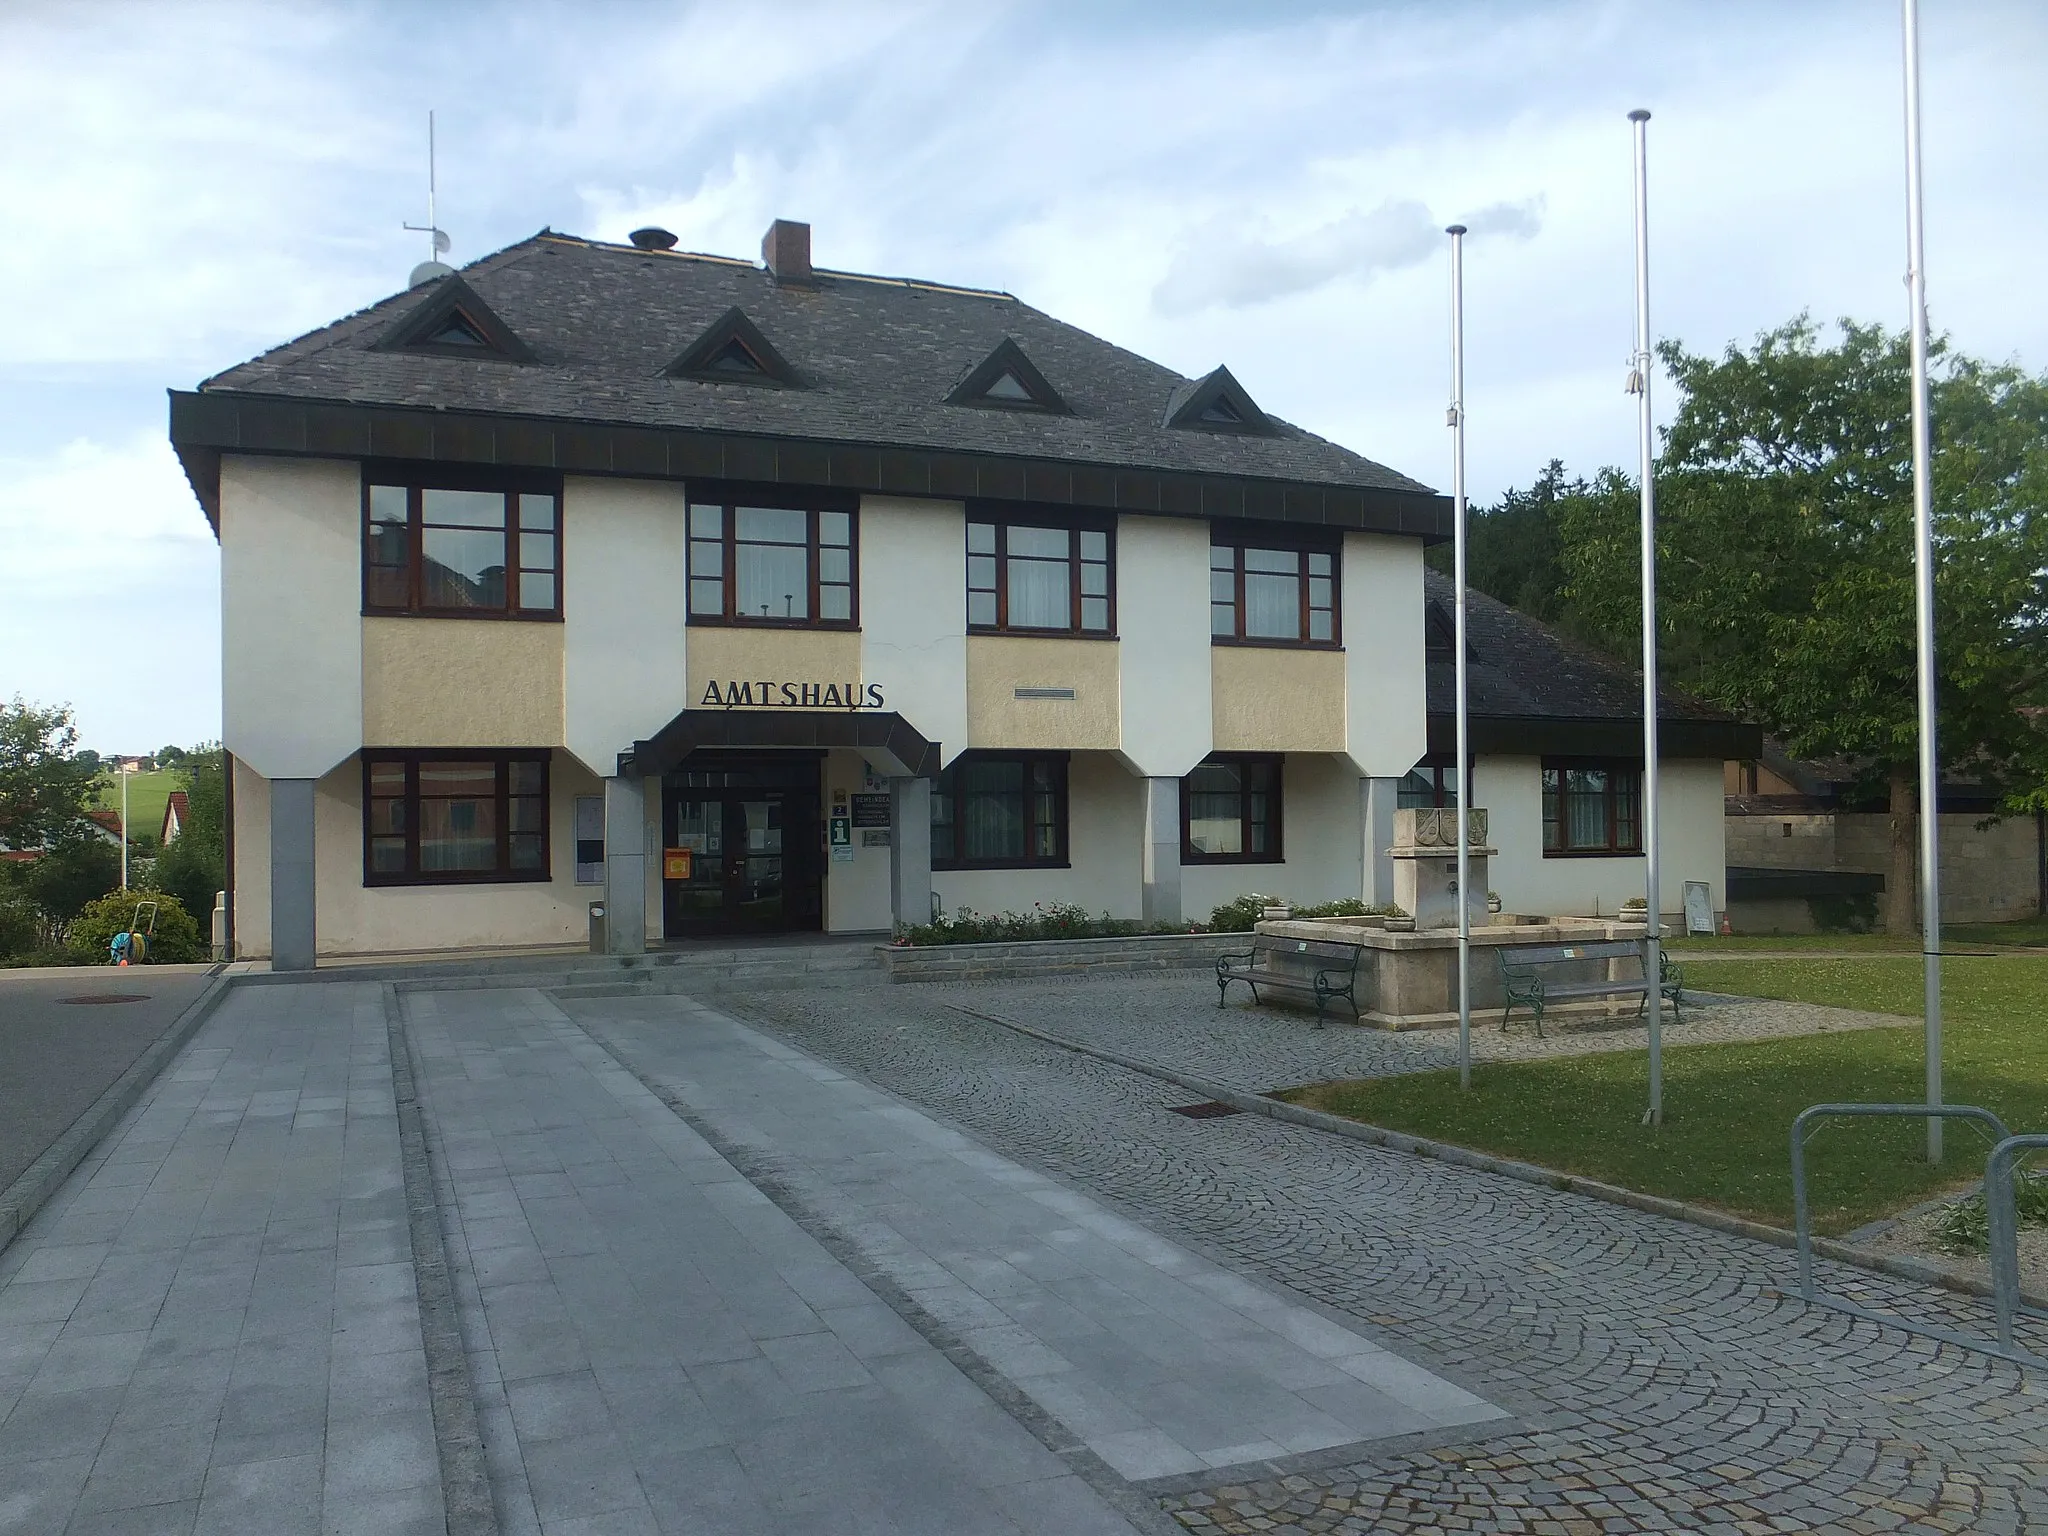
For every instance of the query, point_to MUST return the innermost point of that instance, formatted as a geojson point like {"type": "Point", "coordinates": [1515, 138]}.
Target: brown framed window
{"type": "Point", "coordinates": [1591, 806]}
{"type": "Point", "coordinates": [786, 566]}
{"type": "Point", "coordinates": [1431, 782]}
{"type": "Point", "coordinates": [1040, 577]}
{"type": "Point", "coordinates": [461, 546]}
{"type": "Point", "coordinates": [993, 810]}
{"type": "Point", "coordinates": [1230, 811]}
{"type": "Point", "coordinates": [454, 817]}
{"type": "Point", "coordinates": [1260, 594]}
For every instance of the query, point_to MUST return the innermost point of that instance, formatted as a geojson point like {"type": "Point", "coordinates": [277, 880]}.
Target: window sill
{"type": "Point", "coordinates": [463, 613]}
{"type": "Point", "coordinates": [1039, 634]}
{"type": "Point", "coordinates": [940, 869]}
{"type": "Point", "coordinates": [1592, 853]}
{"type": "Point", "coordinates": [1189, 857]}
{"type": "Point", "coordinates": [1277, 645]}
{"type": "Point", "coordinates": [837, 626]}
{"type": "Point", "coordinates": [536, 877]}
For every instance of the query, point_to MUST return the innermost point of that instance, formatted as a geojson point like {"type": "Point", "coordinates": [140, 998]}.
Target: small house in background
{"type": "Point", "coordinates": [1809, 844]}
{"type": "Point", "coordinates": [129, 764]}
{"type": "Point", "coordinates": [108, 824]}
{"type": "Point", "coordinates": [176, 811]}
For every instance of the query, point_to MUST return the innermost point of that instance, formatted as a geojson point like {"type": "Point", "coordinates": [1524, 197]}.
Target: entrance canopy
{"type": "Point", "coordinates": [887, 740]}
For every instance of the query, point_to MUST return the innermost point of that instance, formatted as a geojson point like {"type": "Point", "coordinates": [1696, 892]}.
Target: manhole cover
{"type": "Point", "coordinates": [107, 997]}
{"type": "Point", "coordinates": [1209, 1111]}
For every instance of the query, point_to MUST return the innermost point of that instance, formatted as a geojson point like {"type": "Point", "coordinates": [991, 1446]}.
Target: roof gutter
{"type": "Point", "coordinates": [206, 424]}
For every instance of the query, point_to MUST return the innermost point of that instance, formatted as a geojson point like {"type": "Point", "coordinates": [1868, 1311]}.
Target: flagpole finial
{"type": "Point", "coordinates": [1455, 229]}
{"type": "Point", "coordinates": [1640, 115]}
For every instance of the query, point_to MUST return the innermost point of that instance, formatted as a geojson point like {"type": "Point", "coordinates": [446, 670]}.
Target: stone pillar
{"type": "Point", "coordinates": [1161, 896]}
{"type": "Point", "coordinates": [910, 851]}
{"type": "Point", "coordinates": [625, 866]}
{"type": "Point", "coordinates": [1376, 801]}
{"type": "Point", "coordinates": [292, 934]}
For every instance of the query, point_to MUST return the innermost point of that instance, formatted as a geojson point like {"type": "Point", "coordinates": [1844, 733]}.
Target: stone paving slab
{"type": "Point", "coordinates": [211, 1327]}
{"type": "Point", "coordinates": [1670, 1377]}
{"type": "Point", "coordinates": [1162, 1361]}
{"type": "Point", "coordinates": [657, 1346]}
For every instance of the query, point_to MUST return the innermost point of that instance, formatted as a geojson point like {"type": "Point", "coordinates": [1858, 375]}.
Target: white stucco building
{"type": "Point", "coordinates": [758, 597]}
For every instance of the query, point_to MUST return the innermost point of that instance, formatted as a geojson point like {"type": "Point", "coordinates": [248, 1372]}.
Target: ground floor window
{"type": "Point", "coordinates": [995, 810]}
{"type": "Point", "coordinates": [1430, 783]}
{"type": "Point", "coordinates": [435, 817]}
{"type": "Point", "coordinates": [1230, 811]}
{"type": "Point", "coordinates": [1591, 806]}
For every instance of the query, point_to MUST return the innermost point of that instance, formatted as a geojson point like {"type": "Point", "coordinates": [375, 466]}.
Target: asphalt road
{"type": "Point", "coordinates": [57, 1057]}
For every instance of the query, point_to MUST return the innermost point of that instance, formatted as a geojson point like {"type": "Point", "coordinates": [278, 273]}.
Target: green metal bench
{"type": "Point", "coordinates": [1528, 977]}
{"type": "Point", "coordinates": [1320, 970]}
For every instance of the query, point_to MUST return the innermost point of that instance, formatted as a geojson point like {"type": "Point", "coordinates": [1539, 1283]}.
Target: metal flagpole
{"type": "Point", "coordinates": [1639, 385]}
{"type": "Point", "coordinates": [1457, 420]}
{"type": "Point", "coordinates": [1923, 590]}
{"type": "Point", "coordinates": [124, 824]}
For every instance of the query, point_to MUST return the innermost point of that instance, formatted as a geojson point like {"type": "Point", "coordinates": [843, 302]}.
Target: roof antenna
{"type": "Point", "coordinates": [437, 238]}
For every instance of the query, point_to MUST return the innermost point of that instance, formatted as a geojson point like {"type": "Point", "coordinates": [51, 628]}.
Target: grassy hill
{"type": "Point", "coordinates": [147, 795]}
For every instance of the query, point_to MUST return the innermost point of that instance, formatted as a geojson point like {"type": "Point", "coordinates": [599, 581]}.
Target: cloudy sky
{"type": "Point", "coordinates": [188, 184]}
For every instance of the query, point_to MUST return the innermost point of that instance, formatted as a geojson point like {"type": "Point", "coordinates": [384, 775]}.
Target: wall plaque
{"type": "Point", "coordinates": [871, 810]}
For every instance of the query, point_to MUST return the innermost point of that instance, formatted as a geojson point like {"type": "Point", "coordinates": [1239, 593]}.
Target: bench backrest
{"type": "Point", "coordinates": [1313, 949]}
{"type": "Point", "coordinates": [1525, 957]}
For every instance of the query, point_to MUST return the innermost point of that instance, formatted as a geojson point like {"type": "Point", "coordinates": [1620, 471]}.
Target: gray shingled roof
{"type": "Point", "coordinates": [1520, 668]}
{"type": "Point", "coordinates": [879, 356]}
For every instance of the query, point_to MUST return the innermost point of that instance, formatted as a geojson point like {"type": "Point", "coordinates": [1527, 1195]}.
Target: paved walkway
{"type": "Point", "coordinates": [1173, 1018]}
{"type": "Point", "coordinates": [1670, 1379]}
{"type": "Point", "coordinates": [61, 1047]}
{"type": "Point", "coordinates": [657, 1346]}
{"type": "Point", "coordinates": [212, 1326]}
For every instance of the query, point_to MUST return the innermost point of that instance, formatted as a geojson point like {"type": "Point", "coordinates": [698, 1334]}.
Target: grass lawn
{"type": "Point", "coordinates": [148, 794]}
{"type": "Point", "coordinates": [1729, 1108]}
{"type": "Point", "coordinates": [2034, 931]}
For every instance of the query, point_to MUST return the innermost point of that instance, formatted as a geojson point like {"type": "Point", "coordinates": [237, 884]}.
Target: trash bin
{"type": "Point", "coordinates": [597, 927]}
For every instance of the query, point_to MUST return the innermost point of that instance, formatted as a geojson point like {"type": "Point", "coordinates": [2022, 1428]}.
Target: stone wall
{"type": "Point", "coordinates": [1052, 957]}
{"type": "Point", "coordinates": [1990, 875]}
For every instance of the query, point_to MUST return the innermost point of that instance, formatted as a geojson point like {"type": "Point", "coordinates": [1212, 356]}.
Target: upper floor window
{"type": "Point", "coordinates": [454, 817]}
{"type": "Point", "coordinates": [1039, 578]}
{"type": "Point", "coordinates": [1272, 596]}
{"type": "Point", "coordinates": [1591, 806]}
{"type": "Point", "coordinates": [462, 550]}
{"type": "Point", "coordinates": [1001, 811]}
{"type": "Point", "coordinates": [771, 565]}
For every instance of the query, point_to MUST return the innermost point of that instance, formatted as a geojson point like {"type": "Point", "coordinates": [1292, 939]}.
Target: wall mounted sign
{"type": "Point", "coordinates": [871, 810]}
{"type": "Point", "coordinates": [765, 693]}
{"type": "Point", "coordinates": [842, 832]}
{"type": "Point", "coordinates": [676, 863]}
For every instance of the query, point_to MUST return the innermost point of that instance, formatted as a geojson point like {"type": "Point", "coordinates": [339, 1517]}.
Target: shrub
{"type": "Point", "coordinates": [1965, 1227]}
{"type": "Point", "coordinates": [176, 940]}
{"type": "Point", "coordinates": [20, 929]}
{"type": "Point", "coordinates": [1237, 915]}
{"type": "Point", "coordinates": [1059, 920]}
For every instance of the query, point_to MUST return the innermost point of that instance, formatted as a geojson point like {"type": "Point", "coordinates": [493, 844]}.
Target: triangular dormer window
{"type": "Point", "coordinates": [1217, 403]}
{"type": "Point", "coordinates": [454, 322]}
{"type": "Point", "coordinates": [1007, 380]}
{"type": "Point", "coordinates": [732, 350]}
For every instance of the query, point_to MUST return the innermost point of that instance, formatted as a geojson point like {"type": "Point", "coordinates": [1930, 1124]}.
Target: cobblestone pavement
{"type": "Point", "coordinates": [1669, 1382]}
{"type": "Point", "coordinates": [1174, 1018]}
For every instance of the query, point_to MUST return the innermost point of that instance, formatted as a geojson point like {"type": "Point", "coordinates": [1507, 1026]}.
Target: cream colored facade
{"type": "Point", "coordinates": [310, 681]}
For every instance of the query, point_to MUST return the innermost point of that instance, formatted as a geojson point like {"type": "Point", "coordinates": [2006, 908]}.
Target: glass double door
{"type": "Point", "coordinates": [740, 857]}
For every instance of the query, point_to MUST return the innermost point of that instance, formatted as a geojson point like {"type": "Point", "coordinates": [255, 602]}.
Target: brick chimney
{"type": "Point", "coordinates": [786, 249]}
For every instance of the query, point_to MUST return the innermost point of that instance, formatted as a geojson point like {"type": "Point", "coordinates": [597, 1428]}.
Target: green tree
{"type": "Point", "coordinates": [1785, 558]}
{"type": "Point", "coordinates": [77, 869]}
{"type": "Point", "coordinates": [44, 784]}
{"type": "Point", "coordinates": [192, 865]}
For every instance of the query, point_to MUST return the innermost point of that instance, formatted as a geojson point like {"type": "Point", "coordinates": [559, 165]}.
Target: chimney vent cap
{"type": "Point", "coordinates": [652, 238]}
{"type": "Point", "coordinates": [786, 251]}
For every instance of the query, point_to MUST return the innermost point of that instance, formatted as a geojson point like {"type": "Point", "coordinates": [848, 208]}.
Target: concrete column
{"type": "Point", "coordinates": [1161, 897]}
{"type": "Point", "coordinates": [625, 866]}
{"type": "Point", "coordinates": [292, 935]}
{"type": "Point", "coordinates": [1376, 801]}
{"type": "Point", "coordinates": [910, 851]}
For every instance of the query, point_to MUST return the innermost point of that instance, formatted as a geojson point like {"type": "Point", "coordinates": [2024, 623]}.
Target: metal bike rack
{"type": "Point", "coordinates": [2004, 1297]}
{"type": "Point", "coordinates": [2001, 1208]}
